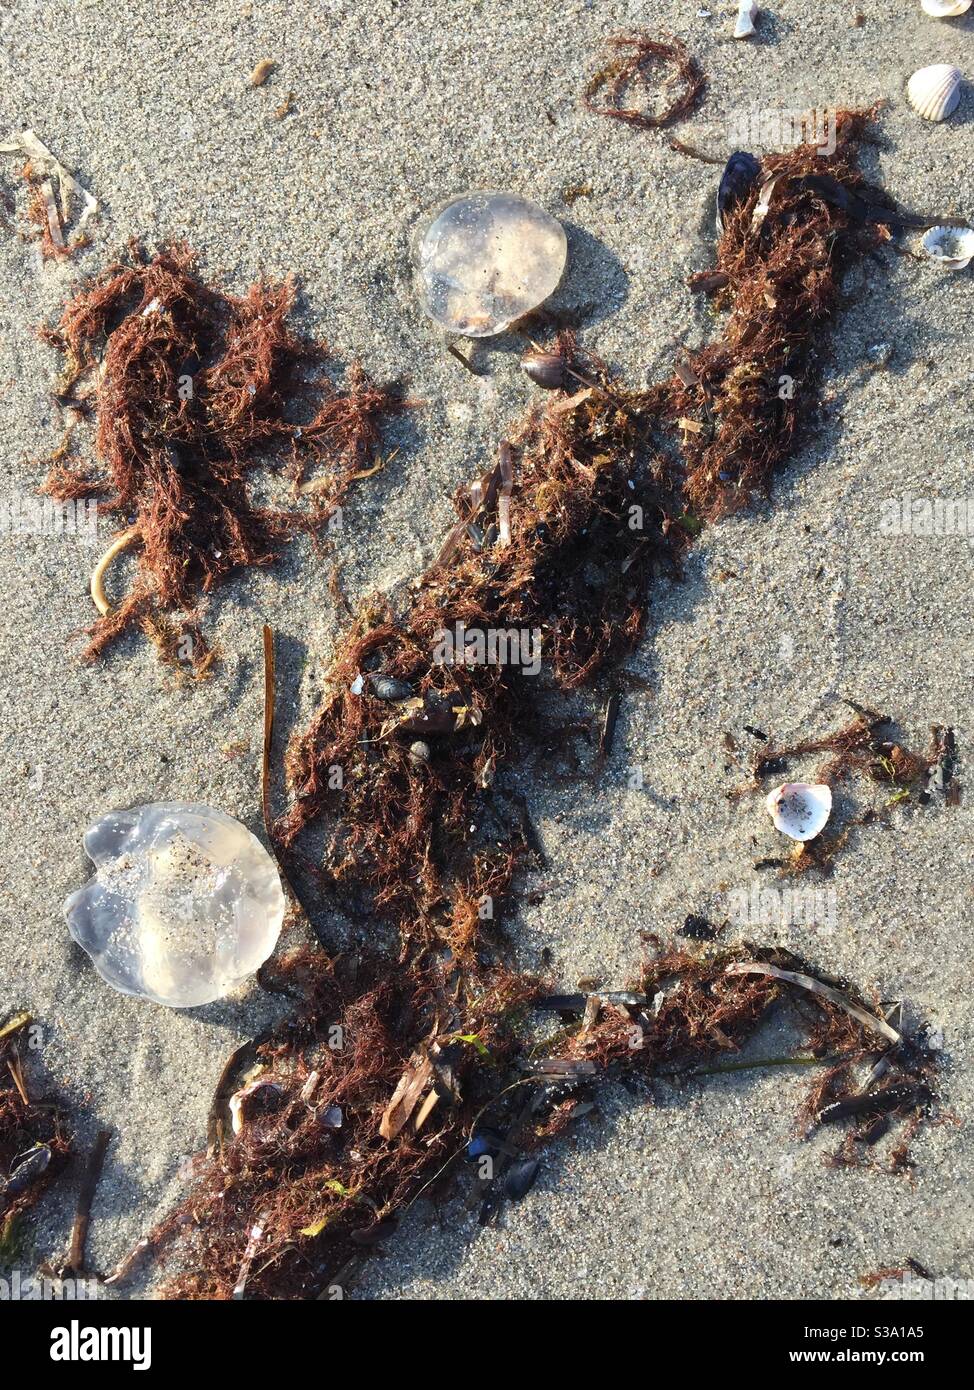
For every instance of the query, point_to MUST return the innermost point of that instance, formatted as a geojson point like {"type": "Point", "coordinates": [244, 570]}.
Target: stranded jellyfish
{"type": "Point", "coordinates": [487, 259]}
{"type": "Point", "coordinates": [184, 905]}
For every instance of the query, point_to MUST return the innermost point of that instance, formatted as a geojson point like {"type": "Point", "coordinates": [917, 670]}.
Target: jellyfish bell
{"type": "Point", "coordinates": [184, 905]}
{"type": "Point", "coordinates": [486, 259]}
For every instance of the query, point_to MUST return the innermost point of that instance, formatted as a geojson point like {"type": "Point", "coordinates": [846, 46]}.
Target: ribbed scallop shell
{"type": "Point", "coordinates": [935, 91]}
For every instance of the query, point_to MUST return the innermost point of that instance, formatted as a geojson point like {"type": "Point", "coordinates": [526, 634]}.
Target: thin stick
{"type": "Point", "coordinates": [119, 544]}
{"type": "Point", "coordinates": [254, 1239]}
{"type": "Point", "coordinates": [454, 351]}
{"type": "Point", "coordinates": [609, 720]}
{"type": "Point", "coordinates": [692, 152]}
{"type": "Point", "coordinates": [269, 686]}
{"type": "Point", "coordinates": [760, 1064]}
{"type": "Point", "coordinates": [82, 1216]}
{"type": "Point", "coordinates": [868, 1020]}
{"type": "Point", "coordinates": [18, 1076]}
{"type": "Point", "coordinates": [127, 1263]}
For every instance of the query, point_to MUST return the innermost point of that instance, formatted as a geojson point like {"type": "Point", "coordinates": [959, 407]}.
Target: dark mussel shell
{"type": "Point", "coordinates": [520, 1178]}
{"type": "Point", "coordinates": [389, 688]}
{"type": "Point", "coordinates": [546, 369]}
{"type": "Point", "coordinates": [736, 182]}
{"type": "Point", "coordinates": [26, 1169]}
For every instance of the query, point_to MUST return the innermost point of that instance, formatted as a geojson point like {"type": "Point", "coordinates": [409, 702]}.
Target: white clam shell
{"type": "Point", "coordinates": [800, 809]}
{"type": "Point", "coordinates": [746, 12]}
{"type": "Point", "coordinates": [952, 247]}
{"type": "Point", "coordinates": [935, 91]}
{"type": "Point", "coordinates": [945, 9]}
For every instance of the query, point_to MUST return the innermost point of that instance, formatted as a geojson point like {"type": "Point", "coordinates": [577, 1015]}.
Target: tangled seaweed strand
{"type": "Point", "coordinates": [426, 838]}
{"type": "Point", "coordinates": [635, 54]}
{"type": "Point", "coordinates": [292, 1203]}
{"type": "Point", "coordinates": [324, 1188]}
{"type": "Point", "coordinates": [439, 1038]}
{"type": "Point", "coordinates": [194, 390]}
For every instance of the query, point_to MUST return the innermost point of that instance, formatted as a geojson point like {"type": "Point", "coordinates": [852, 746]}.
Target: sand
{"type": "Point", "coordinates": [708, 1192]}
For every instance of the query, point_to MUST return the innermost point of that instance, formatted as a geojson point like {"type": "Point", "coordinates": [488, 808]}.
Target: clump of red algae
{"type": "Point", "coordinates": [560, 538]}
{"type": "Point", "coordinates": [193, 391]}
{"type": "Point", "coordinates": [741, 407]}
{"type": "Point", "coordinates": [635, 54]}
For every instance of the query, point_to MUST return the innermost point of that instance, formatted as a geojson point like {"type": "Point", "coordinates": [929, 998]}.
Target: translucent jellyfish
{"type": "Point", "coordinates": [184, 905]}
{"type": "Point", "coordinates": [487, 259]}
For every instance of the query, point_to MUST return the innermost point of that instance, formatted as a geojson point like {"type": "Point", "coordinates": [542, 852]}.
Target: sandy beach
{"type": "Point", "coordinates": [783, 611]}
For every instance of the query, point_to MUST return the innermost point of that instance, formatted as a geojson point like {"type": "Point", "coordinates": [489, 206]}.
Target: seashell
{"type": "Point", "coordinates": [945, 9]}
{"type": "Point", "coordinates": [379, 1230]}
{"type": "Point", "coordinates": [935, 91]}
{"type": "Point", "coordinates": [880, 355]}
{"type": "Point", "coordinates": [389, 688]}
{"type": "Point", "coordinates": [520, 1178]}
{"type": "Point", "coordinates": [800, 809]}
{"type": "Point", "coordinates": [952, 247]}
{"type": "Point", "coordinates": [546, 369]}
{"type": "Point", "coordinates": [746, 12]}
{"type": "Point", "coordinates": [260, 1092]}
{"type": "Point", "coordinates": [26, 1169]}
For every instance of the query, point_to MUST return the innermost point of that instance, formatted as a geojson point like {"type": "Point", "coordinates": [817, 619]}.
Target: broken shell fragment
{"type": "Point", "coordinates": [800, 810]}
{"type": "Point", "coordinates": [486, 259]}
{"type": "Point", "coordinates": [185, 903]}
{"type": "Point", "coordinates": [935, 91]}
{"type": "Point", "coordinates": [952, 247]}
{"type": "Point", "coordinates": [389, 688]}
{"type": "Point", "coordinates": [262, 72]}
{"type": "Point", "coordinates": [945, 9]}
{"type": "Point", "coordinates": [257, 1093]}
{"type": "Point", "coordinates": [746, 14]}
